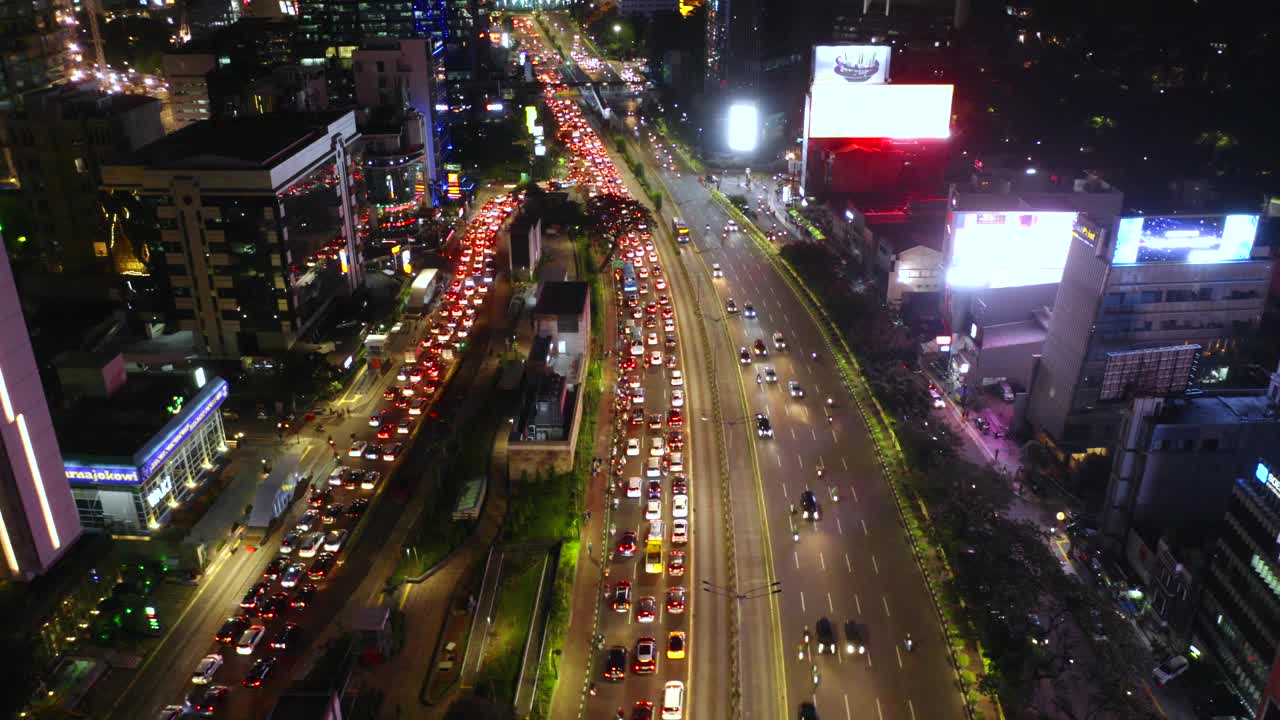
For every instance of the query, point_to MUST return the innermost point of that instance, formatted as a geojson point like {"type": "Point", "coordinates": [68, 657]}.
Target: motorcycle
{"type": "Point", "coordinates": [907, 642]}
{"type": "Point", "coordinates": [758, 380]}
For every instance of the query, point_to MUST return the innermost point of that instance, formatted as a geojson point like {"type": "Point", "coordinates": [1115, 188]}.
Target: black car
{"type": "Point", "coordinates": [655, 489]}
{"type": "Point", "coordinates": [855, 642]}
{"type": "Point", "coordinates": [760, 348]}
{"type": "Point", "coordinates": [319, 498]}
{"type": "Point", "coordinates": [302, 596]}
{"type": "Point", "coordinates": [744, 356]}
{"type": "Point", "coordinates": [749, 310]}
{"type": "Point", "coordinates": [258, 673]}
{"type": "Point", "coordinates": [627, 545]}
{"type": "Point", "coordinates": [615, 663]}
{"type": "Point", "coordinates": [826, 637]}
{"type": "Point", "coordinates": [679, 485]}
{"type": "Point", "coordinates": [357, 508]}
{"type": "Point", "coordinates": [274, 607]}
{"type": "Point", "coordinates": [642, 711]}
{"type": "Point", "coordinates": [764, 428]}
{"type": "Point", "coordinates": [206, 699]}
{"type": "Point", "coordinates": [285, 636]}
{"type": "Point", "coordinates": [231, 629]}
{"type": "Point", "coordinates": [275, 567]}
{"type": "Point", "coordinates": [809, 505]}
{"type": "Point", "coordinates": [808, 711]}
{"type": "Point", "coordinates": [331, 514]}
{"type": "Point", "coordinates": [319, 569]}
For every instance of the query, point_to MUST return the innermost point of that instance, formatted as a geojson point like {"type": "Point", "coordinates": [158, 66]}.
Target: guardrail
{"type": "Point", "coordinates": [883, 438]}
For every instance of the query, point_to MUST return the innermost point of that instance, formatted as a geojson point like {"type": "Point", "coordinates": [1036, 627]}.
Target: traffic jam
{"type": "Point", "coordinates": [264, 635]}
{"type": "Point", "coordinates": [643, 667]}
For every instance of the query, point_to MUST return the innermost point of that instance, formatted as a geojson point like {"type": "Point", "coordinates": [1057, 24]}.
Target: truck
{"type": "Point", "coordinates": [422, 292]}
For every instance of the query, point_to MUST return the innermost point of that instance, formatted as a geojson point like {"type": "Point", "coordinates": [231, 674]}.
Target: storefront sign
{"type": "Point", "coordinates": [102, 474]}
{"type": "Point", "coordinates": [156, 495]}
{"type": "Point", "coordinates": [207, 402]}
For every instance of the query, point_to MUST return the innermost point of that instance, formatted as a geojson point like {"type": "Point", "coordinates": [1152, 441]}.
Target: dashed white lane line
{"type": "Point", "coordinates": [875, 564]}
{"type": "Point", "coordinates": [857, 602]}
{"type": "Point", "coordinates": [854, 490]}
{"type": "Point", "coordinates": [799, 458]}
{"type": "Point", "coordinates": [848, 565]}
{"type": "Point", "coordinates": [885, 600]}
{"type": "Point", "coordinates": [845, 463]}
{"type": "Point", "coordinates": [796, 555]}
{"type": "Point", "coordinates": [802, 605]}
{"type": "Point", "coordinates": [865, 531]}
{"type": "Point", "coordinates": [831, 606]}
{"type": "Point", "coordinates": [839, 527]}
{"type": "Point", "coordinates": [911, 708]}
{"type": "Point", "coordinates": [899, 654]}
{"type": "Point", "coordinates": [822, 561]}
{"type": "Point", "coordinates": [879, 712]}
{"type": "Point", "coordinates": [847, 715]}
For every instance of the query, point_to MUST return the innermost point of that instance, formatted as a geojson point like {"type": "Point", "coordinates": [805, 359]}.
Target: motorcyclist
{"type": "Point", "coordinates": [758, 380]}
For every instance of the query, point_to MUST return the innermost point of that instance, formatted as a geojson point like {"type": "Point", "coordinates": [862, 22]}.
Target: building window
{"type": "Point", "coordinates": [1113, 299]}
{"type": "Point", "coordinates": [81, 167]}
{"type": "Point", "coordinates": [1151, 296]}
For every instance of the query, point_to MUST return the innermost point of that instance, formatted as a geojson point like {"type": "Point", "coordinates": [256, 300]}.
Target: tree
{"type": "Point", "coordinates": [474, 707]}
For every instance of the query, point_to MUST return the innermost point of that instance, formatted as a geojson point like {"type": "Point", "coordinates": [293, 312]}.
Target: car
{"type": "Point", "coordinates": [372, 452]}
{"type": "Point", "coordinates": [308, 520]}
{"type": "Point", "coordinates": [1169, 669]}
{"type": "Point", "coordinates": [675, 440]}
{"type": "Point", "coordinates": [677, 641]}
{"type": "Point", "coordinates": [653, 510]}
{"type": "Point", "coordinates": [759, 348]}
{"type": "Point", "coordinates": [637, 396]}
{"type": "Point", "coordinates": [680, 506]}
{"type": "Point", "coordinates": [809, 509]}
{"type": "Point", "coordinates": [331, 514]}
{"type": "Point", "coordinates": [676, 599]}
{"type": "Point", "coordinates": [369, 480]}
{"type": "Point", "coordinates": [258, 672]}
{"type": "Point", "coordinates": [274, 607]}
{"type": "Point", "coordinates": [679, 485]}
{"type": "Point", "coordinates": [337, 475]}
{"type": "Point", "coordinates": [231, 629]}
{"type": "Point", "coordinates": [675, 418]}
{"type": "Point", "coordinates": [633, 487]}
{"type": "Point", "coordinates": [254, 595]}
{"type": "Point", "coordinates": [637, 347]}
{"type": "Point", "coordinates": [673, 700]}
{"type": "Point", "coordinates": [285, 636]}
{"type": "Point", "coordinates": [808, 711]}
{"type": "Point", "coordinates": [275, 567]}
{"type": "Point", "coordinates": [319, 497]}
{"type": "Point", "coordinates": [622, 596]}
{"type": "Point", "coordinates": [651, 338]}
{"type": "Point", "coordinates": [655, 358]}
{"type": "Point", "coordinates": [175, 712]}
{"type": "Point", "coordinates": [826, 636]}
{"type": "Point", "coordinates": [936, 397]}
{"type": "Point", "coordinates": [319, 569]}
{"type": "Point", "coordinates": [404, 425]}
{"type": "Point", "coordinates": [302, 596]}
{"type": "Point", "coordinates": [679, 529]}
{"type": "Point", "coordinates": [392, 451]}
{"type": "Point", "coordinates": [646, 656]}
{"type": "Point", "coordinates": [633, 380]}
{"type": "Point", "coordinates": [675, 563]}
{"type": "Point", "coordinates": [385, 431]}
{"type": "Point", "coordinates": [334, 541]}
{"type": "Point", "coordinates": [657, 447]}
{"type": "Point", "coordinates": [206, 700]}
{"type": "Point", "coordinates": [633, 447]}
{"type": "Point", "coordinates": [779, 342]}
{"type": "Point", "coordinates": [1039, 633]}
{"type": "Point", "coordinates": [796, 390]}
{"type": "Point", "coordinates": [627, 543]}
{"type": "Point", "coordinates": [716, 272]}
{"type": "Point", "coordinates": [677, 378]}
{"type": "Point", "coordinates": [249, 639]}
{"type": "Point", "coordinates": [655, 421]}
{"type": "Point", "coordinates": [646, 609]}
{"type": "Point", "coordinates": [677, 398]}
{"type": "Point", "coordinates": [655, 490]}
{"type": "Point", "coordinates": [310, 544]}
{"type": "Point", "coordinates": [417, 405]}
{"type": "Point", "coordinates": [289, 578]}
{"type": "Point", "coordinates": [357, 448]}
{"type": "Point", "coordinates": [643, 710]}
{"type": "Point", "coordinates": [748, 310]}
{"type": "Point", "coordinates": [770, 376]}
{"type": "Point", "coordinates": [615, 663]}
{"type": "Point", "coordinates": [744, 356]}
{"type": "Point", "coordinates": [854, 641]}
{"type": "Point", "coordinates": [206, 668]}
{"type": "Point", "coordinates": [730, 306]}
{"type": "Point", "coordinates": [764, 428]}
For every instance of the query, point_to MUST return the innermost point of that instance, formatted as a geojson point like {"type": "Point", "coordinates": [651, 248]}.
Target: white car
{"type": "Point", "coordinates": [307, 521]}
{"type": "Point", "coordinates": [310, 544]}
{"type": "Point", "coordinates": [652, 338]}
{"type": "Point", "coordinates": [334, 541]}
{"type": "Point", "coordinates": [716, 272]}
{"type": "Point", "coordinates": [336, 477]}
{"type": "Point", "coordinates": [677, 378]}
{"type": "Point", "coordinates": [633, 447]}
{"type": "Point", "coordinates": [673, 701]}
{"type": "Point", "coordinates": [675, 463]}
{"type": "Point", "coordinates": [657, 447]}
{"type": "Point", "coordinates": [249, 639]}
{"type": "Point", "coordinates": [1169, 669]}
{"type": "Point", "coordinates": [655, 357]}
{"type": "Point", "coordinates": [653, 467]}
{"type": "Point", "coordinates": [679, 531]}
{"type": "Point", "coordinates": [637, 348]}
{"type": "Point", "coordinates": [637, 396]}
{"type": "Point", "coordinates": [653, 510]}
{"type": "Point", "coordinates": [357, 448]}
{"type": "Point", "coordinates": [680, 506]}
{"type": "Point", "coordinates": [677, 398]}
{"type": "Point", "coordinates": [289, 578]}
{"type": "Point", "coordinates": [205, 669]}
{"type": "Point", "coordinates": [633, 487]}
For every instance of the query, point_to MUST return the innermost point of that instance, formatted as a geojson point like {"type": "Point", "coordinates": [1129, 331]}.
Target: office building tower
{"type": "Point", "coordinates": [257, 217]}
{"type": "Point", "coordinates": [1147, 305]}
{"type": "Point", "coordinates": [1238, 625]}
{"type": "Point", "coordinates": [399, 76]}
{"type": "Point", "coordinates": [33, 45]}
{"type": "Point", "coordinates": [38, 520]}
{"type": "Point", "coordinates": [59, 138]}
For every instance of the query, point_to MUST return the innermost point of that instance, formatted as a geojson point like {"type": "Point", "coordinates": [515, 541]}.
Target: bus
{"type": "Point", "coordinates": [679, 230]}
{"type": "Point", "coordinates": [627, 276]}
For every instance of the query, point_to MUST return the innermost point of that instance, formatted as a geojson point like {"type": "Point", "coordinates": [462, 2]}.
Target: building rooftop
{"type": "Point", "coordinates": [84, 98]}
{"type": "Point", "coordinates": [562, 298]}
{"type": "Point", "coordinates": [1025, 332]}
{"type": "Point", "coordinates": [118, 426]}
{"type": "Point", "coordinates": [247, 142]}
{"type": "Point", "coordinates": [969, 200]}
{"type": "Point", "coordinates": [1226, 409]}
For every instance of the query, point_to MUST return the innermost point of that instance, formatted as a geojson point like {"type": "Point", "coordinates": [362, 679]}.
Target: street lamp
{"type": "Point", "coordinates": [617, 29]}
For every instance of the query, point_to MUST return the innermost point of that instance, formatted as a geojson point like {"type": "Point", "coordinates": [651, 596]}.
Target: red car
{"type": "Point", "coordinates": [675, 440]}
{"type": "Point", "coordinates": [675, 600]}
{"type": "Point", "coordinates": [675, 418]}
{"type": "Point", "coordinates": [386, 431]}
{"type": "Point", "coordinates": [675, 565]}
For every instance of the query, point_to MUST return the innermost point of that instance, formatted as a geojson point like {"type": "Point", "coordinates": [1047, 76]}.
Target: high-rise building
{"type": "Point", "coordinates": [33, 45]}
{"type": "Point", "coordinates": [400, 76]}
{"type": "Point", "coordinates": [38, 520]}
{"type": "Point", "coordinates": [59, 138]}
{"type": "Point", "coordinates": [1239, 620]}
{"type": "Point", "coordinates": [1147, 305]}
{"type": "Point", "coordinates": [257, 222]}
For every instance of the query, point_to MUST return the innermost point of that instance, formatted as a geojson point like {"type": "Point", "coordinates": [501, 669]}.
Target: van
{"type": "Point", "coordinates": [673, 701]}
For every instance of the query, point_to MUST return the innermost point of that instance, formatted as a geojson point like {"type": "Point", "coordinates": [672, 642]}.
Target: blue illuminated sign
{"type": "Point", "coordinates": [101, 474]}
{"type": "Point", "coordinates": [1264, 476]}
{"type": "Point", "coordinates": [1197, 239]}
{"type": "Point", "coordinates": [158, 449]}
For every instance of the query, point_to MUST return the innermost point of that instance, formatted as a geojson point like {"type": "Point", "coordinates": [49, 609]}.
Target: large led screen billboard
{"type": "Point", "coordinates": [896, 112]}
{"type": "Point", "coordinates": [1185, 239]}
{"type": "Point", "coordinates": [1008, 249]}
{"type": "Point", "coordinates": [851, 64]}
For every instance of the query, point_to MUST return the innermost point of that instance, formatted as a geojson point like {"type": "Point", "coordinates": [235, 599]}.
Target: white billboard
{"type": "Point", "coordinates": [1008, 249]}
{"type": "Point", "coordinates": [896, 112]}
{"type": "Point", "coordinates": [851, 64]}
{"type": "Point", "coordinates": [744, 127]}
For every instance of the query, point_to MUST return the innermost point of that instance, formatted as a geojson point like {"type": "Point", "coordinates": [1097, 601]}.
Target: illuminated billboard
{"type": "Point", "coordinates": [1185, 239]}
{"type": "Point", "coordinates": [898, 112]}
{"type": "Point", "coordinates": [1154, 371]}
{"type": "Point", "coordinates": [851, 64]}
{"type": "Point", "coordinates": [1008, 249]}
{"type": "Point", "coordinates": [744, 126]}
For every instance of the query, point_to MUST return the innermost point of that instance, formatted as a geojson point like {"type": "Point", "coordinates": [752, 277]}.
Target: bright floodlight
{"type": "Point", "coordinates": [744, 125]}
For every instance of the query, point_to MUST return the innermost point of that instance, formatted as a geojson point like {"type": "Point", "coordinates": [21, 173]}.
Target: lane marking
{"type": "Point", "coordinates": [799, 459]}
{"type": "Point", "coordinates": [911, 708]}
{"type": "Point", "coordinates": [831, 607]}
{"type": "Point", "coordinates": [854, 490]}
{"type": "Point", "coordinates": [875, 564]}
{"type": "Point", "coordinates": [845, 463]}
{"type": "Point", "coordinates": [899, 654]}
{"type": "Point", "coordinates": [802, 605]}
{"type": "Point", "coordinates": [865, 531]}
{"type": "Point", "coordinates": [839, 527]}
{"type": "Point", "coordinates": [847, 715]}
{"type": "Point", "coordinates": [822, 561]}
{"type": "Point", "coordinates": [879, 712]}
{"type": "Point", "coordinates": [847, 565]}
{"type": "Point", "coordinates": [857, 602]}
{"type": "Point", "coordinates": [796, 555]}
{"type": "Point", "coordinates": [885, 600]}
